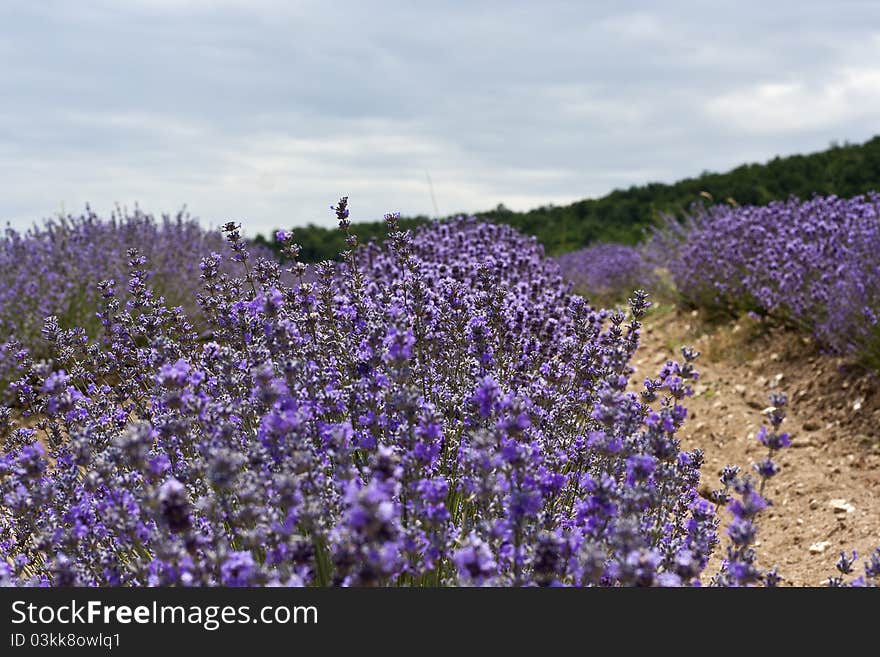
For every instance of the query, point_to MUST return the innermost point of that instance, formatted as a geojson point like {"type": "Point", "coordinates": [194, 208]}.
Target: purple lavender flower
{"type": "Point", "coordinates": [238, 569]}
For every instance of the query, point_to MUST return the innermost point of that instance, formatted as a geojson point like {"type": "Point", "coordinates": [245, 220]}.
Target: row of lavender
{"type": "Point", "coordinates": [54, 268]}
{"type": "Point", "coordinates": [608, 272]}
{"type": "Point", "coordinates": [437, 411]}
{"type": "Point", "coordinates": [814, 265]}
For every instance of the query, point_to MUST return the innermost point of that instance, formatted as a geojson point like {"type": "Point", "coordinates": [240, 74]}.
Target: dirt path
{"type": "Point", "coordinates": [827, 496]}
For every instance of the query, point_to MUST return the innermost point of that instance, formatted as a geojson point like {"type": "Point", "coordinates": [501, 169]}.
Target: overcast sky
{"type": "Point", "coordinates": [265, 112]}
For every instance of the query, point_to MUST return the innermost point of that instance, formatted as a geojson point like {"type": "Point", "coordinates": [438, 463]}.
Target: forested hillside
{"type": "Point", "coordinates": [622, 215]}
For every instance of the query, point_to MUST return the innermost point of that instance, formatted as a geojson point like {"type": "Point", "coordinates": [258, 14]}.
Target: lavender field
{"type": "Point", "coordinates": [446, 409]}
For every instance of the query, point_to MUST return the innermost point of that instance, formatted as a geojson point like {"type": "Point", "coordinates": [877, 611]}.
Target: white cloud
{"type": "Point", "coordinates": [638, 26]}
{"type": "Point", "coordinates": [798, 106]}
{"type": "Point", "coordinates": [267, 111]}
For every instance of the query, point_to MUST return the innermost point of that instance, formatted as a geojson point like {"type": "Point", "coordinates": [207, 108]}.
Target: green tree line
{"type": "Point", "coordinates": [623, 215]}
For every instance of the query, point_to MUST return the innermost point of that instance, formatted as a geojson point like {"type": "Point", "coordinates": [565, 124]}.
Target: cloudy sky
{"type": "Point", "coordinates": [266, 112]}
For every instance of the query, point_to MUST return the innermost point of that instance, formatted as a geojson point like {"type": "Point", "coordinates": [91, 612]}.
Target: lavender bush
{"type": "Point", "coordinates": [440, 411]}
{"type": "Point", "coordinates": [607, 271]}
{"type": "Point", "coordinates": [813, 264]}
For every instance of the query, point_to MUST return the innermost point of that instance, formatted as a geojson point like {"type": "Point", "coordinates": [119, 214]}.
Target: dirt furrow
{"type": "Point", "coordinates": [827, 496]}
